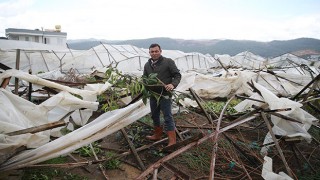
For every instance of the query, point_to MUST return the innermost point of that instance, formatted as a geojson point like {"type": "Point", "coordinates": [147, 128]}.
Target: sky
{"type": "Point", "coordinates": [258, 20]}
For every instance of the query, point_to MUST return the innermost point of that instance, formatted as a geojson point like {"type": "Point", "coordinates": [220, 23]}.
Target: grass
{"type": "Point", "coordinates": [197, 158]}
{"type": "Point", "coordinates": [49, 173]}
{"type": "Point", "coordinates": [113, 163]}
{"type": "Point", "coordinates": [58, 160]}
{"type": "Point", "coordinates": [216, 106]}
{"type": "Point", "coordinates": [147, 119]}
{"type": "Point", "coordinates": [310, 176]}
{"type": "Point", "coordinates": [315, 133]}
{"type": "Point", "coordinates": [86, 151]}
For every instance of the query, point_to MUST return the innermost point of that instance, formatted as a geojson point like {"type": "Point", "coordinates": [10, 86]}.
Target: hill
{"type": "Point", "coordinates": [214, 46]}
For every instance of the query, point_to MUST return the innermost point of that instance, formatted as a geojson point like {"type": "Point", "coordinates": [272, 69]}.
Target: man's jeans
{"type": "Point", "coordinates": [164, 105]}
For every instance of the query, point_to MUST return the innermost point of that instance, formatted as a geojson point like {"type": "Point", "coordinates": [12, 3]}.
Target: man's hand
{"type": "Point", "coordinates": [169, 87]}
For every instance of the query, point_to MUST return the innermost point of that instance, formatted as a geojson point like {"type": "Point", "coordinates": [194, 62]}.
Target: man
{"type": "Point", "coordinates": [168, 74]}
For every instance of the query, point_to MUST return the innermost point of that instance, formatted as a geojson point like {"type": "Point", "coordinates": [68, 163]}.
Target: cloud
{"type": "Point", "coordinates": [14, 7]}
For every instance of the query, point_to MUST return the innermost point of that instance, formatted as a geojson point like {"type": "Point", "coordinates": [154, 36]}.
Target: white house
{"type": "Point", "coordinates": [51, 37]}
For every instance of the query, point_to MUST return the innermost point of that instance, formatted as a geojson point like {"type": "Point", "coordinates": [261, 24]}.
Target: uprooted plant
{"type": "Point", "coordinates": [124, 85]}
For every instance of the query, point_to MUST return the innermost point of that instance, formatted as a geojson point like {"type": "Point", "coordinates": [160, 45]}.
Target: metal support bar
{"type": "Point", "coordinates": [16, 83]}
{"type": "Point", "coordinates": [264, 117]}
{"type": "Point", "coordinates": [196, 97]}
{"type": "Point", "coordinates": [133, 149]}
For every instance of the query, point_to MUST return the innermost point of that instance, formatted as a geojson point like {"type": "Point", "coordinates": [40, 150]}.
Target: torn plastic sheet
{"type": "Point", "coordinates": [89, 93]}
{"type": "Point", "coordinates": [102, 126]}
{"type": "Point", "coordinates": [226, 86]}
{"type": "Point", "coordinates": [61, 104]}
{"type": "Point", "coordinates": [187, 102]}
{"type": "Point", "coordinates": [268, 174]}
{"type": "Point", "coordinates": [235, 82]}
{"type": "Point", "coordinates": [85, 94]}
{"type": "Point", "coordinates": [281, 126]}
{"type": "Point", "coordinates": [17, 113]}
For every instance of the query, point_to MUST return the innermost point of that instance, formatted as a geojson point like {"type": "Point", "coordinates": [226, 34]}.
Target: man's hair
{"type": "Point", "coordinates": [154, 45]}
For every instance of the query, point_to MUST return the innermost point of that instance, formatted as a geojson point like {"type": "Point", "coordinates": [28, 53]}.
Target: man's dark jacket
{"type": "Point", "coordinates": [167, 72]}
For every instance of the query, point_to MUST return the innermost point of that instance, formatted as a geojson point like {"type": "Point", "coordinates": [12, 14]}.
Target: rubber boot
{"type": "Point", "coordinates": [156, 134]}
{"type": "Point", "coordinates": [171, 137]}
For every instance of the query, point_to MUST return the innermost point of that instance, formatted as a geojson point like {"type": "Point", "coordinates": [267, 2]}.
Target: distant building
{"type": "Point", "coordinates": [51, 37]}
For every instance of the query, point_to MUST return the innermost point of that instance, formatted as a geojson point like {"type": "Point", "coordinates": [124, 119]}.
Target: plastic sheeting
{"type": "Point", "coordinates": [126, 58]}
{"type": "Point", "coordinates": [17, 113]}
{"type": "Point", "coordinates": [280, 126]}
{"type": "Point", "coordinates": [104, 125]}
{"type": "Point", "coordinates": [85, 94]}
{"type": "Point", "coordinates": [43, 58]}
{"type": "Point", "coordinates": [107, 123]}
{"type": "Point", "coordinates": [249, 60]}
{"type": "Point", "coordinates": [268, 174]}
{"type": "Point", "coordinates": [27, 45]}
{"type": "Point", "coordinates": [286, 60]}
{"type": "Point", "coordinates": [235, 82]}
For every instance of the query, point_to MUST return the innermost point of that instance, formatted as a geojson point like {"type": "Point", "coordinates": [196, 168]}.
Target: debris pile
{"type": "Point", "coordinates": [272, 132]}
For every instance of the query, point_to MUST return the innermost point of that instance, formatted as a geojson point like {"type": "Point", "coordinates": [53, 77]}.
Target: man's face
{"type": "Point", "coordinates": [155, 53]}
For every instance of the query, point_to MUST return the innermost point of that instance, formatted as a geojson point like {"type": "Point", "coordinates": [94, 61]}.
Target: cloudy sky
{"type": "Point", "coordinates": [261, 20]}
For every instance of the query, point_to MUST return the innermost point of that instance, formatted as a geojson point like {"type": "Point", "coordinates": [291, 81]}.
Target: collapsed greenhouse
{"type": "Point", "coordinates": [48, 90]}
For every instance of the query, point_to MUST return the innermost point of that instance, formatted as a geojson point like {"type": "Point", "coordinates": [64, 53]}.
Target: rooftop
{"type": "Point", "coordinates": [36, 31]}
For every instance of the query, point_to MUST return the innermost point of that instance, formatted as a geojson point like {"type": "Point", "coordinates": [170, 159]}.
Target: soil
{"type": "Point", "coordinates": [237, 155]}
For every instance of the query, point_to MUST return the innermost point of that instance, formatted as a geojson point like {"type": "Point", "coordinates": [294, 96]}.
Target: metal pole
{"type": "Point", "coordinates": [16, 84]}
